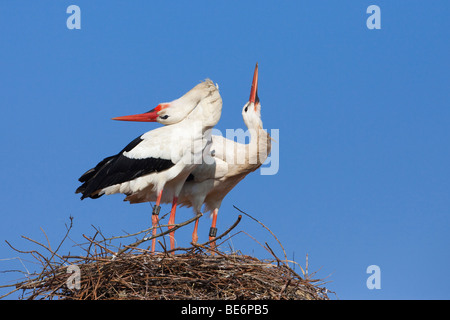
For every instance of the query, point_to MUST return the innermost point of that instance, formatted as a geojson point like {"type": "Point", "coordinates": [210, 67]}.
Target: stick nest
{"type": "Point", "coordinates": [198, 273]}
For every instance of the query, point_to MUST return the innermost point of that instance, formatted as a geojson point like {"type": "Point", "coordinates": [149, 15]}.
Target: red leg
{"type": "Point", "coordinates": [194, 234]}
{"type": "Point", "coordinates": [213, 230]}
{"type": "Point", "coordinates": [155, 219]}
{"type": "Point", "coordinates": [172, 222]}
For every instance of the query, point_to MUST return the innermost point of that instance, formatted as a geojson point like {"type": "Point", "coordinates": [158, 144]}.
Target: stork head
{"type": "Point", "coordinates": [173, 112]}
{"type": "Point", "coordinates": [252, 109]}
{"type": "Point", "coordinates": [157, 114]}
{"type": "Point", "coordinates": [164, 113]}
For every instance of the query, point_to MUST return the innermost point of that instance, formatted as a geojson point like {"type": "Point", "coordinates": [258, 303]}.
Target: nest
{"type": "Point", "coordinates": [133, 273]}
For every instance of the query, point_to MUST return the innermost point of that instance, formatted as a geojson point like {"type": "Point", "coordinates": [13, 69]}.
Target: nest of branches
{"type": "Point", "coordinates": [106, 272]}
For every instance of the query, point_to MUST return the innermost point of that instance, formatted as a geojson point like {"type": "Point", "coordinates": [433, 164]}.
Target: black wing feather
{"type": "Point", "coordinates": [118, 169]}
{"type": "Point", "coordinates": [91, 172]}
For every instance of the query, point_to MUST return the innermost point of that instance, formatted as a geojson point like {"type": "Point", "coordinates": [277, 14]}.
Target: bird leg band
{"type": "Point", "coordinates": [212, 232]}
{"type": "Point", "coordinates": [156, 210]}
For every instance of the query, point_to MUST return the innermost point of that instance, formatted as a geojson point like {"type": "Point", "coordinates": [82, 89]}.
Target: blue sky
{"type": "Point", "coordinates": [363, 117]}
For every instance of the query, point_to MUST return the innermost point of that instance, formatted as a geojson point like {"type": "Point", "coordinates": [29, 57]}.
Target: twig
{"type": "Point", "coordinates": [285, 256]}
{"type": "Point", "coordinates": [203, 245]}
{"type": "Point", "coordinates": [175, 227]}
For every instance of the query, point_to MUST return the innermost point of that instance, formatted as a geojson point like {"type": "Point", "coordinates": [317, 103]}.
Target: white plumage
{"type": "Point", "coordinates": [209, 183]}
{"type": "Point", "coordinates": [163, 158]}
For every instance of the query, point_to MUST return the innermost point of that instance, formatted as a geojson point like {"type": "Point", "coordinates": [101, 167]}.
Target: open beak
{"type": "Point", "coordinates": [150, 116]}
{"type": "Point", "coordinates": [254, 90]}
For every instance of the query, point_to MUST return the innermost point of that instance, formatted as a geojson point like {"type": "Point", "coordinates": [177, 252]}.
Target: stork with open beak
{"type": "Point", "coordinates": [210, 182]}
{"type": "Point", "coordinates": [161, 157]}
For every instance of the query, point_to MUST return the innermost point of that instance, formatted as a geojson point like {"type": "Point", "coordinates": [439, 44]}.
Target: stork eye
{"type": "Point", "coordinates": [246, 108]}
{"type": "Point", "coordinates": [164, 117]}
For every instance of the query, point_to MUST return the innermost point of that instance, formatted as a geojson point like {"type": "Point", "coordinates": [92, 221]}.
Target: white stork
{"type": "Point", "coordinates": [209, 183]}
{"type": "Point", "coordinates": [161, 157]}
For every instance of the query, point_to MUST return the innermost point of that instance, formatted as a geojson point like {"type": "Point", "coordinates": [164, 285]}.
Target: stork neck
{"type": "Point", "coordinates": [259, 147]}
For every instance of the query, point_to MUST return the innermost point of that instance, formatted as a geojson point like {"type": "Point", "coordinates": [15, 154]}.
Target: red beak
{"type": "Point", "coordinates": [254, 90]}
{"type": "Point", "coordinates": [150, 116]}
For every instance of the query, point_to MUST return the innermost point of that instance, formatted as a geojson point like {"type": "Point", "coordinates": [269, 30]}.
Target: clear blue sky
{"type": "Point", "coordinates": [363, 116]}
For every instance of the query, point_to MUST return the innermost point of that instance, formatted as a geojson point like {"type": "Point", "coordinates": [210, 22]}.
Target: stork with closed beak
{"type": "Point", "coordinates": [161, 157]}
